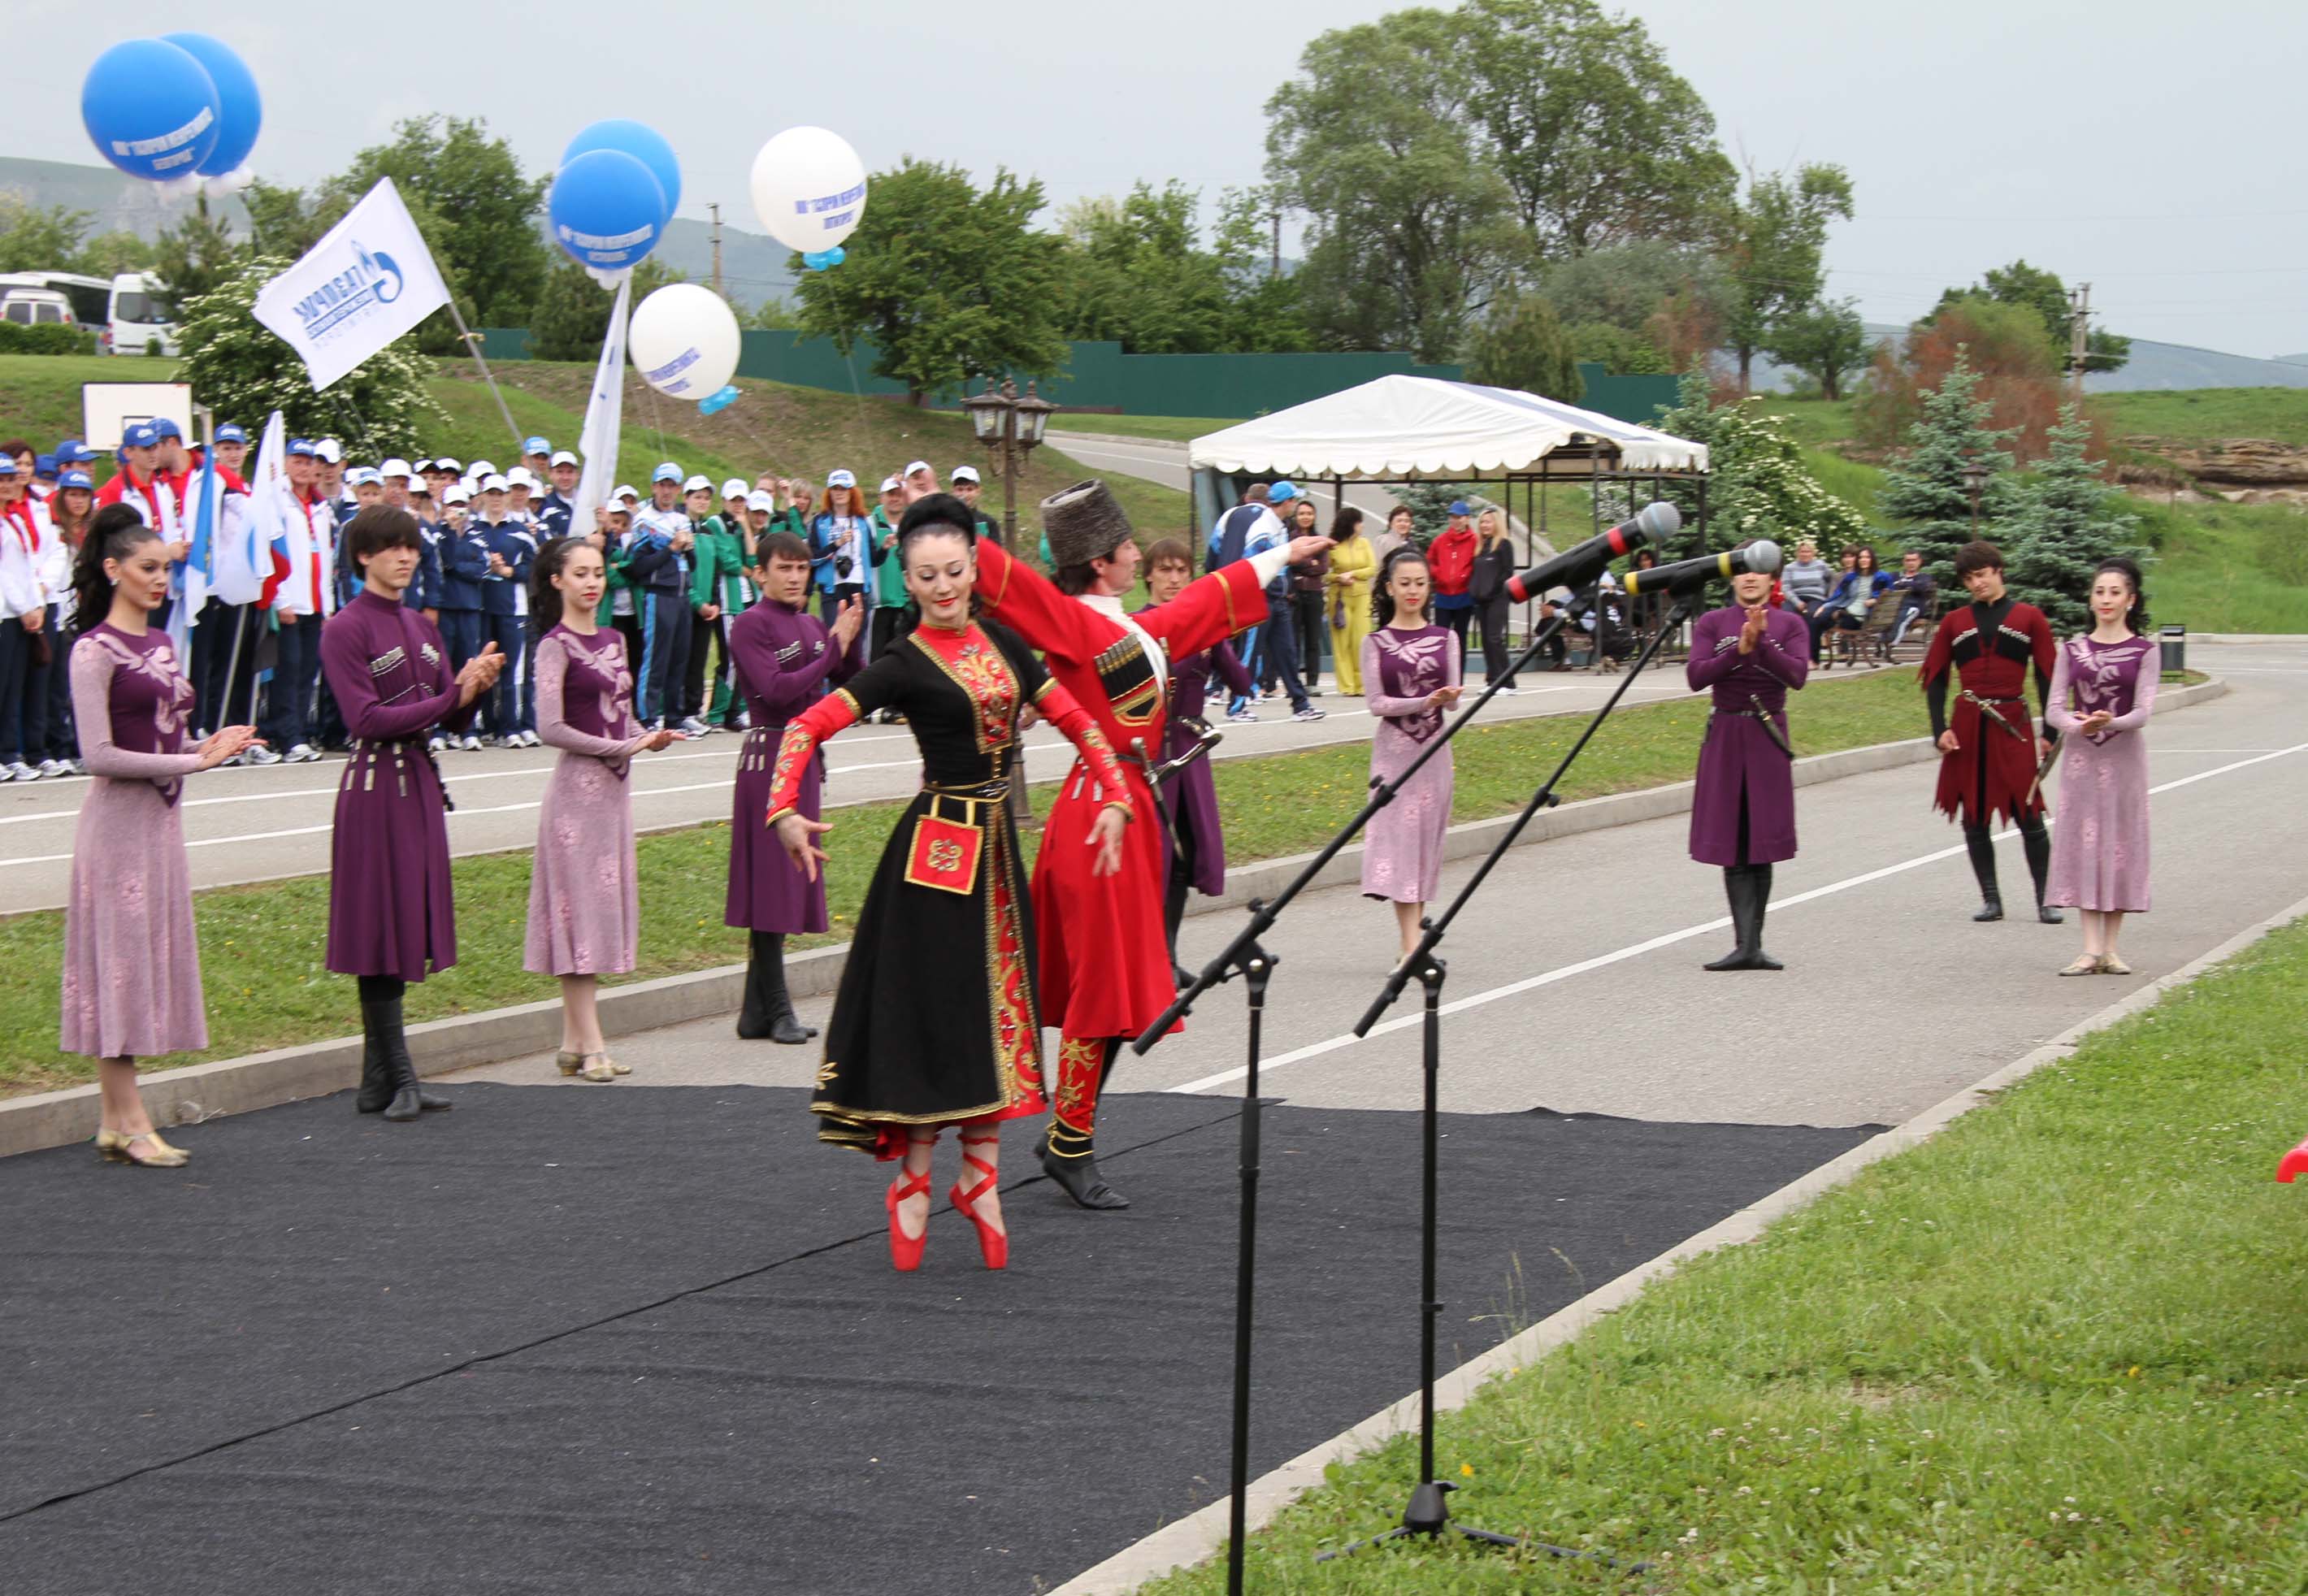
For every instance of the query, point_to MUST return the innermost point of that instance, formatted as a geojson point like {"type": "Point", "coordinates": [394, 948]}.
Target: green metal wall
{"type": "Point", "coordinates": [1098, 377]}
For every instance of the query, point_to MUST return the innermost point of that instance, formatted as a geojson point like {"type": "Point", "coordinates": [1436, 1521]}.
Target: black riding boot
{"type": "Point", "coordinates": [1982, 847]}
{"type": "Point", "coordinates": [1174, 911]}
{"type": "Point", "coordinates": [768, 1012]}
{"type": "Point", "coordinates": [376, 1080]}
{"type": "Point", "coordinates": [1759, 877]}
{"type": "Point", "coordinates": [381, 1018]}
{"type": "Point", "coordinates": [2037, 843]}
{"type": "Point", "coordinates": [1735, 887]}
{"type": "Point", "coordinates": [1071, 1160]}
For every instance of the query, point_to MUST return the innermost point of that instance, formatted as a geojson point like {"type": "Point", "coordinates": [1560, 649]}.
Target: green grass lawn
{"type": "Point", "coordinates": [262, 945]}
{"type": "Point", "coordinates": [2058, 1349]}
{"type": "Point", "coordinates": [2200, 413]}
{"type": "Point", "coordinates": [40, 394]}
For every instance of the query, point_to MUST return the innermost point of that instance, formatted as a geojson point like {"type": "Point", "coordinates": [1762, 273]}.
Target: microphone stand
{"type": "Point", "coordinates": [1429, 1511]}
{"type": "Point", "coordinates": [1247, 958]}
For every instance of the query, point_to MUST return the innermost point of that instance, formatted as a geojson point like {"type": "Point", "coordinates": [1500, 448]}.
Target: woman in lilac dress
{"type": "Point", "coordinates": [1411, 680]}
{"type": "Point", "coordinates": [2100, 848]}
{"type": "Point", "coordinates": [584, 903]}
{"type": "Point", "coordinates": [391, 920]}
{"type": "Point", "coordinates": [132, 973]}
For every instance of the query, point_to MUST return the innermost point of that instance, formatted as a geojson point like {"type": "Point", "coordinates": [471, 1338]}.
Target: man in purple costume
{"type": "Point", "coordinates": [1743, 816]}
{"type": "Point", "coordinates": [786, 659]}
{"type": "Point", "coordinates": [390, 918]}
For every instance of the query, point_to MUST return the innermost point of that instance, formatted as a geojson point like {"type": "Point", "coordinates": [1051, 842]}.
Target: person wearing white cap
{"type": "Point", "coordinates": [304, 598]}
{"type": "Point", "coordinates": [705, 611]}
{"type": "Point", "coordinates": [722, 584]}
{"type": "Point", "coordinates": [920, 480]}
{"type": "Point", "coordinates": [557, 511]}
{"type": "Point", "coordinates": [464, 566]}
{"type": "Point", "coordinates": [658, 565]}
{"type": "Point", "coordinates": [403, 483]}
{"type": "Point", "coordinates": [840, 541]}
{"type": "Point", "coordinates": [893, 613]}
{"type": "Point", "coordinates": [504, 610]}
{"type": "Point", "coordinates": [966, 488]}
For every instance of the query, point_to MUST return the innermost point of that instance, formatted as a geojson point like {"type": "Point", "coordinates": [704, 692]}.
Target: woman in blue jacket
{"type": "Point", "coordinates": [1854, 593]}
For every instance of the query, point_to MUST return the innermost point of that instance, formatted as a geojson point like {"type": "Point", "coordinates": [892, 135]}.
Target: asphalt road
{"type": "Point", "coordinates": [258, 824]}
{"type": "Point", "coordinates": [1574, 980]}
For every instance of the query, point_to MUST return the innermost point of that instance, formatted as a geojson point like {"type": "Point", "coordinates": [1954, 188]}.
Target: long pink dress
{"type": "Point", "coordinates": [1402, 854]}
{"type": "Point", "coordinates": [132, 976]}
{"type": "Point", "coordinates": [584, 900]}
{"type": "Point", "coordinates": [2099, 847]}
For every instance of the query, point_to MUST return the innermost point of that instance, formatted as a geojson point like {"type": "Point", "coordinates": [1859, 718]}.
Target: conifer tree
{"type": "Point", "coordinates": [2068, 520]}
{"type": "Point", "coordinates": [1926, 488]}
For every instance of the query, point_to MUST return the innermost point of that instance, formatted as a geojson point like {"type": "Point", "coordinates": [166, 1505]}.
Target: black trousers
{"type": "Point", "coordinates": [1306, 611]}
{"type": "Point", "coordinates": [1456, 620]}
{"type": "Point", "coordinates": [221, 703]}
{"type": "Point", "coordinates": [15, 679]}
{"type": "Point", "coordinates": [705, 637]}
{"type": "Point", "coordinates": [890, 623]}
{"type": "Point", "coordinates": [1491, 616]}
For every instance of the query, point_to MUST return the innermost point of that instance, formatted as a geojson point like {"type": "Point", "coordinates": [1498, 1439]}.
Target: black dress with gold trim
{"type": "Point", "coordinates": [936, 1021]}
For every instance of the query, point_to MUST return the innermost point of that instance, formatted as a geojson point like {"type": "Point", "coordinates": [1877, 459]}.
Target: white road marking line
{"type": "Point", "coordinates": [1532, 983]}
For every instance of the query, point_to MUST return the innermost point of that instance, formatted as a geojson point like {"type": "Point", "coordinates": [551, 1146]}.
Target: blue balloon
{"type": "Point", "coordinates": [240, 109]}
{"type": "Point", "coordinates": [608, 210]}
{"type": "Point", "coordinates": [643, 143]}
{"type": "Point", "coordinates": [825, 260]}
{"type": "Point", "coordinates": [151, 108]}
{"type": "Point", "coordinates": [720, 399]}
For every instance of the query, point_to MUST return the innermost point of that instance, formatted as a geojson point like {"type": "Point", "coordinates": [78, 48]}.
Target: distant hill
{"type": "Point", "coordinates": [752, 264]}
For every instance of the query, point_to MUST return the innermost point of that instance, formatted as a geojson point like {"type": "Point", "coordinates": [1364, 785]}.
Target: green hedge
{"type": "Point", "coordinates": [45, 337]}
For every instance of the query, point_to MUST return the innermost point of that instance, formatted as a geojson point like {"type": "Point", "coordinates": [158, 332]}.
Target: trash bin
{"type": "Point", "coordinates": [2174, 640]}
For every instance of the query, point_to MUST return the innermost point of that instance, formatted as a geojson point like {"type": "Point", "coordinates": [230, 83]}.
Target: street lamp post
{"type": "Point", "coordinates": [1009, 426]}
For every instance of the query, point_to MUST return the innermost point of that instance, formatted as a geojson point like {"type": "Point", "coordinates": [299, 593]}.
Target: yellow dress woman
{"type": "Point", "coordinates": [1353, 566]}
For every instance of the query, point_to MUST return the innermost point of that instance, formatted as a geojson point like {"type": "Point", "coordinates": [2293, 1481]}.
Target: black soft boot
{"type": "Point", "coordinates": [408, 1100]}
{"type": "Point", "coordinates": [1741, 914]}
{"type": "Point", "coordinates": [1174, 911]}
{"type": "Point", "coordinates": [376, 1080]}
{"type": "Point", "coordinates": [2037, 843]}
{"type": "Point", "coordinates": [1981, 845]}
{"type": "Point", "coordinates": [1760, 888]}
{"type": "Point", "coordinates": [757, 1013]}
{"type": "Point", "coordinates": [1069, 1163]}
{"type": "Point", "coordinates": [784, 1026]}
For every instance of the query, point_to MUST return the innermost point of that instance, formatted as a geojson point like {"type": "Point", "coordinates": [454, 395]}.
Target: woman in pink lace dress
{"type": "Point", "coordinates": [2103, 690]}
{"type": "Point", "coordinates": [584, 905]}
{"type": "Point", "coordinates": [132, 976]}
{"type": "Point", "coordinates": [1410, 681]}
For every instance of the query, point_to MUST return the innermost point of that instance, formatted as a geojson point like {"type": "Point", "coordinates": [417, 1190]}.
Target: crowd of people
{"type": "Point", "coordinates": [767, 611]}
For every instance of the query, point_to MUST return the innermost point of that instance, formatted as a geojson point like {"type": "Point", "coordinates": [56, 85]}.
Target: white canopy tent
{"type": "Point", "coordinates": [1402, 428]}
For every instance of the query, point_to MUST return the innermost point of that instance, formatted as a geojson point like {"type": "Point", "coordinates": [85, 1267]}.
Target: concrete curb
{"type": "Point", "coordinates": [1202, 1534]}
{"type": "Point", "coordinates": [1058, 440]}
{"type": "Point", "coordinates": [259, 1081]}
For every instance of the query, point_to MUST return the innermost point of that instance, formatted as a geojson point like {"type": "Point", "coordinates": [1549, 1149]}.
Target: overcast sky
{"type": "Point", "coordinates": [2152, 149]}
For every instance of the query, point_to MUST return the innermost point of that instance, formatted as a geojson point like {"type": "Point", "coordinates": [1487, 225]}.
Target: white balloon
{"type": "Point", "coordinates": [184, 187]}
{"type": "Point", "coordinates": [685, 340]}
{"type": "Point", "coordinates": [809, 188]}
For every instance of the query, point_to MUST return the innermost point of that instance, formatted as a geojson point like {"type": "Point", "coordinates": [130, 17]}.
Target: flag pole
{"type": "Point", "coordinates": [474, 344]}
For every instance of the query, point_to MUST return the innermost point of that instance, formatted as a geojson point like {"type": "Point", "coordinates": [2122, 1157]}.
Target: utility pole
{"type": "Point", "coordinates": [717, 247]}
{"type": "Point", "coordinates": [2078, 335]}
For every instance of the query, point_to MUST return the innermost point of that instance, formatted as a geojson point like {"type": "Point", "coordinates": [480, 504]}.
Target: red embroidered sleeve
{"type": "Point", "coordinates": [802, 733]}
{"type": "Point", "coordinates": [1030, 604]}
{"type": "Point", "coordinates": [1061, 710]}
{"type": "Point", "coordinates": [1210, 609]}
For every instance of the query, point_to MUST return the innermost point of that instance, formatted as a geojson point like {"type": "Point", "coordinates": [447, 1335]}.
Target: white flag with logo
{"type": "Point", "coordinates": [363, 285]}
{"type": "Point", "coordinates": [605, 415]}
{"type": "Point", "coordinates": [268, 498]}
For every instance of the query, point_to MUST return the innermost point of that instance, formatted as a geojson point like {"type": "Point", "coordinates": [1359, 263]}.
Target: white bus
{"type": "Point", "coordinates": [130, 312]}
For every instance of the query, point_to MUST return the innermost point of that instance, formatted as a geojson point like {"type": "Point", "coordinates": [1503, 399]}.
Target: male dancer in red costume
{"type": "Point", "coordinates": [1105, 967]}
{"type": "Point", "coordinates": [1988, 754]}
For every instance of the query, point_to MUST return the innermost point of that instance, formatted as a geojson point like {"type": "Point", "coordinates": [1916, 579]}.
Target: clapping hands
{"type": "Point", "coordinates": [851, 616]}
{"type": "Point", "coordinates": [479, 675]}
{"type": "Point", "coordinates": [222, 744]}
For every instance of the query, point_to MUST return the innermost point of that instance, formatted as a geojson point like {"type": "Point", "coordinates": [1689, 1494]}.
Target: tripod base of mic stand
{"type": "Point", "coordinates": [1429, 1515]}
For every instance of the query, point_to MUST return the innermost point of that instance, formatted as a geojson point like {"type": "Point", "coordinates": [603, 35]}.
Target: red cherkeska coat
{"type": "Point", "coordinates": [1992, 769]}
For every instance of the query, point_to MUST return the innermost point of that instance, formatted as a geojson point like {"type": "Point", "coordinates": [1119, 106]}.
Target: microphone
{"type": "Point", "coordinates": [1688, 576]}
{"type": "Point", "coordinates": [1576, 567]}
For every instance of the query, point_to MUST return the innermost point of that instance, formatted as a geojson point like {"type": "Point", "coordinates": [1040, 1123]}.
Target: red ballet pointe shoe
{"type": "Point", "coordinates": [2294, 1164]}
{"type": "Point", "coordinates": [906, 1251]}
{"type": "Point", "coordinates": [993, 1243]}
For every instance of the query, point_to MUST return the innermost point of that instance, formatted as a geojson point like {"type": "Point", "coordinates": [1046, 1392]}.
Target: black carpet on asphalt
{"type": "Point", "coordinates": [648, 1340]}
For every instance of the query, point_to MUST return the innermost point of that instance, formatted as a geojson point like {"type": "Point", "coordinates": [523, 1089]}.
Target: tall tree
{"type": "Point", "coordinates": [1134, 272]}
{"type": "Point", "coordinates": [2047, 296]}
{"type": "Point", "coordinates": [2067, 519]}
{"type": "Point", "coordinates": [1926, 488]}
{"type": "Point", "coordinates": [1598, 139]}
{"type": "Point", "coordinates": [948, 280]}
{"type": "Point", "coordinates": [1523, 346]}
{"type": "Point", "coordinates": [1265, 310]}
{"type": "Point", "coordinates": [1758, 482]}
{"type": "Point", "coordinates": [1827, 342]}
{"type": "Point", "coordinates": [1412, 229]}
{"type": "Point", "coordinates": [197, 256]}
{"type": "Point", "coordinates": [572, 313]}
{"type": "Point", "coordinates": [35, 239]}
{"type": "Point", "coordinates": [1625, 284]}
{"type": "Point", "coordinates": [487, 243]}
{"type": "Point", "coordinates": [109, 254]}
{"type": "Point", "coordinates": [1773, 242]}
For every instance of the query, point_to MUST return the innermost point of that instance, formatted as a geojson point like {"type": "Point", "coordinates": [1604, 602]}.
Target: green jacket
{"type": "Point", "coordinates": [889, 570]}
{"type": "Point", "coordinates": [720, 575]}
{"type": "Point", "coordinates": [607, 614]}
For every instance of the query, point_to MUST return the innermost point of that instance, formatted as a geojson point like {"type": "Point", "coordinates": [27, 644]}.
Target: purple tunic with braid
{"type": "Point", "coordinates": [584, 902]}
{"type": "Point", "coordinates": [132, 977]}
{"type": "Point", "coordinates": [1190, 797]}
{"type": "Point", "coordinates": [390, 910]}
{"type": "Point", "coordinates": [786, 660]}
{"type": "Point", "coordinates": [1403, 856]}
{"type": "Point", "coordinates": [2100, 848]}
{"type": "Point", "coordinates": [1744, 776]}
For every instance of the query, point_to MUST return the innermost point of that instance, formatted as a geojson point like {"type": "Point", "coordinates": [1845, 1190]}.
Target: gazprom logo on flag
{"type": "Point", "coordinates": [369, 279]}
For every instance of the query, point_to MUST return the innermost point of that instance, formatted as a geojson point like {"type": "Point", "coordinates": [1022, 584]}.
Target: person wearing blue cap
{"type": "Point", "coordinates": [44, 476]}
{"type": "Point", "coordinates": [304, 598]}
{"type": "Point", "coordinates": [1223, 547]}
{"type": "Point", "coordinates": [505, 609]}
{"type": "Point", "coordinates": [1278, 658]}
{"type": "Point", "coordinates": [71, 509]}
{"type": "Point", "coordinates": [658, 568]}
{"type": "Point", "coordinates": [28, 570]}
{"type": "Point", "coordinates": [158, 502]}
